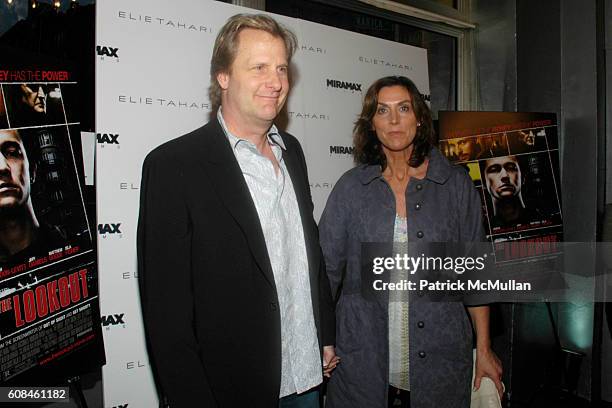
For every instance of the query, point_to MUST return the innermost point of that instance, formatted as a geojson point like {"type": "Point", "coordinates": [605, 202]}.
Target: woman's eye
{"type": "Point", "coordinates": [381, 110]}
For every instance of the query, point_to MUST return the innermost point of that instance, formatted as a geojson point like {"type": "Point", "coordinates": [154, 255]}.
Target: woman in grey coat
{"type": "Point", "coordinates": [403, 190]}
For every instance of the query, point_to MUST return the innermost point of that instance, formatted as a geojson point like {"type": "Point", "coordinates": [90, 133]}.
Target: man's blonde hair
{"type": "Point", "coordinates": [226, 46]}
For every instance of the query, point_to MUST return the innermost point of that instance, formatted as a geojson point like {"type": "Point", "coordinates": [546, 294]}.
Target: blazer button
{"type": "Point", "coordinates": [421, 324]}
{"type": "Point", "coordinates": [420, 234]}
{"type": "Point", "coordinates": [422, 354]}
{"type": "Point", "coordinates": [419, 187]}
{"type": "Point", "coordinates": [273, 306]}
{"type": "Point", "coordinates": [417, 206]}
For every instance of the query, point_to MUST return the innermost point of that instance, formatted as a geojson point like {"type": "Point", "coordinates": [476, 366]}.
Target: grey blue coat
{"type": "Point", "coordinates": [442, 207]}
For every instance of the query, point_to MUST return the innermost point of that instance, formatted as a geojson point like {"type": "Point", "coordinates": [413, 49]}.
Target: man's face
{"type": "Point", "coordinates": [14, 170]}
{"type": "Point", "coordinates": [466, 149]}
{"type": "Point", "coordinates": [256, 87]}
{"type": "Point", "coordinates": [34, 96]}
{"type": "Point", "coordinates": [503, 176]}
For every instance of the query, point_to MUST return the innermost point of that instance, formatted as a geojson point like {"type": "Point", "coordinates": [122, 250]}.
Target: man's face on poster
{"type": "Point", "coordinates": [466, 149]}
{"type": "Point", "coordinates": [34, 96]}
{"type": "Point", "coordinates": [503, 176]}
{"type": "Point", "coordinates": [14, 170]}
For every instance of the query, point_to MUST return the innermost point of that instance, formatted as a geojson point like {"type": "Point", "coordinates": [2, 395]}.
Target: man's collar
{"type": "Point", "coordinates": [438, 169]}
{"type": "Point", "coordinates": [273, 134]}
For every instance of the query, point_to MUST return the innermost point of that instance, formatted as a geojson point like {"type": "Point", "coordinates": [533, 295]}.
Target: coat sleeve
{"type": "Point", "coordinates": [326, 304]}
{"type": "Point", "coordinates": [334, 237]}
{"type": "Point", "coordinates": [166, 292]}
{"type": "Point", "coordinates": [471, 229]}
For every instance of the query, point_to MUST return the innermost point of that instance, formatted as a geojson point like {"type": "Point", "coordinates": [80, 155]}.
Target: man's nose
{"type": "Point", "coordinates": [274, 81]}
{"type": "Point", "coordinates": [40, 93]}
{"type": "Point", "coordinates": [4, 166]}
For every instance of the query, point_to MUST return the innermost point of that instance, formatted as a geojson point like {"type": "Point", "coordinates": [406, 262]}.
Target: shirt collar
{"type": "Point", "coordinates": [438, 170]}
{"type": "Point", "coordinates": [274, 136]}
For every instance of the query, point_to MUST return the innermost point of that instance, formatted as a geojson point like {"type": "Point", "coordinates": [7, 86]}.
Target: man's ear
{"type": "Point", "coordinates": [223, 80]}
{"type": "Point", "coordinates": [33, 169]}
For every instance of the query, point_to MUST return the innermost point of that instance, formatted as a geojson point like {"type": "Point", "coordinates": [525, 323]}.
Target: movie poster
{"type": "Point", "coordinates": [48, 278]}
{"type": "Point", "coordinates": [513, 160]}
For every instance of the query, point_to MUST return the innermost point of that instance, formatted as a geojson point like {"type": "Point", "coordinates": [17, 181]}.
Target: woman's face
{"type": "Point", "coordinates": [394, 122]}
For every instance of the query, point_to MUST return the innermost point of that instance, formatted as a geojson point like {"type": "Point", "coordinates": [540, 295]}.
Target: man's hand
{"type": "Point", "coordinates": [330, 360]}
{"type": "Point", "coordinates": [488, 365]}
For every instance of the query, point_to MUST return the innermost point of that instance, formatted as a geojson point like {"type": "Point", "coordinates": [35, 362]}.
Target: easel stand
{"type": "Point", "coordinates": [76, 392]}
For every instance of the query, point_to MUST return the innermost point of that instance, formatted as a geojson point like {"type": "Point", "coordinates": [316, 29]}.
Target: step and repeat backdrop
{"type": "Point", "coordinates": [152, 78]}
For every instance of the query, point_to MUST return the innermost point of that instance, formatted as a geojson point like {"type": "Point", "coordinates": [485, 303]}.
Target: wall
{"type": "Point", "coordinates": [495, 52]}
{"type": "Point", "coordinates": [155, 89]}
{"type": "Point", "coordinates": [556, 72]}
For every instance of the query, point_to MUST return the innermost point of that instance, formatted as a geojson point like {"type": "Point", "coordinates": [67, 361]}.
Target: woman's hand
{"type": "Point", "coordinates": [330, 360]}
{"type": "Point", "coordinates": [488, 365]}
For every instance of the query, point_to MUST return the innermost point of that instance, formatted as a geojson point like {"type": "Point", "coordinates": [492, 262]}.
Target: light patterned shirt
{"type": "Point", "coordinates": [280, 220]}
{"type": "Point", "coordinates": [399, 361]}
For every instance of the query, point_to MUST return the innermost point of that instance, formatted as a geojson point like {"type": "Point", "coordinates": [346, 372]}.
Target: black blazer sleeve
{"type": "Point", "coordinates": [164, 266]}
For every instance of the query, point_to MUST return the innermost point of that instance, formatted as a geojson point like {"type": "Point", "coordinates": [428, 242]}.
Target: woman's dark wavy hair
{"type": "Point", "coordinates": [367, 147]}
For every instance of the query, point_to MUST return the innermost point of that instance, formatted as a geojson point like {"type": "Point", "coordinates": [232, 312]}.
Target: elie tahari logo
{"type": "Point", "coordinates": [173, 103]}
{"type": "Point", "coordinates": [104, 51]}
{"type": "Point", "coordinates": [129, 275]}
{"type": "Point", "coordinates": [385, 63]}
{"type": "Point", "coordinates": [307, 115]}
{"type": "Point", "coordinates": [340, 150]}
{"type": "Point", "coordinates": [127, 185]}
{"type": "Point", "coordinates": [321, 185]}
{"type": "Point", "coordinates": [163, 22]}
{"type": "Point", "coordinates": [113, 320]}
{"type": "Point", "coordinates": [105, 139]}
{"type": "Point", "coordinates": [109, 229]}
{"type": "Point", "coordinates": [351, 86]}
{"type": "Point", "coordinates": [130, 365]}
{"type": "Point", "coordinates": [313, 49]}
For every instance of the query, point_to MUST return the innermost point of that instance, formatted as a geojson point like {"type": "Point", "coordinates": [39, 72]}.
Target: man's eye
{"type": "Point", "coordinates": [12, 152]}
{"type": "Point", "coordinates": [282, 70]}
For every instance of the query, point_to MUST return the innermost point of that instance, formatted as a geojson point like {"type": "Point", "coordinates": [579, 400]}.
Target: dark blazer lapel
{"type": "Point", "coordinates": [228, 181]}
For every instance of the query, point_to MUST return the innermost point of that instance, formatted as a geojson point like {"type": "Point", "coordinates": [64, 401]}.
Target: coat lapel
{"type": "Point", "coordinates": [230, 186]}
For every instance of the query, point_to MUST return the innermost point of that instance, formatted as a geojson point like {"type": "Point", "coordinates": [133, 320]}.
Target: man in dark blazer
{"type": "Point", "coordinates": [235, 299]}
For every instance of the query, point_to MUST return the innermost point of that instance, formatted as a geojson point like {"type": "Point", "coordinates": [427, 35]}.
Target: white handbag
{"type": "Point", "coordinates": [487, 395]}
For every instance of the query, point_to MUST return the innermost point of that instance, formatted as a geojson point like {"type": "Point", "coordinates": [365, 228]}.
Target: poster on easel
{"type": "Point", "coordinates": [513, 160]}
{"type": "Point", "coordinates": [49, 310]}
